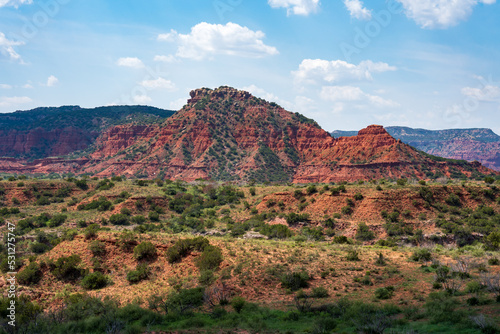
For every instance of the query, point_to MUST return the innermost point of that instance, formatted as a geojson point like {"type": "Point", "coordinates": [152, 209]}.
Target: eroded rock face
{"type": "Point", "coordinates": [55, 142]}
{"type": "Point", "coordinates": [227, 134]}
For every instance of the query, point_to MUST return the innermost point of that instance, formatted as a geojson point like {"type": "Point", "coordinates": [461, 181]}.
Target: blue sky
{"type": "Point", "coordinates": [345, 63]}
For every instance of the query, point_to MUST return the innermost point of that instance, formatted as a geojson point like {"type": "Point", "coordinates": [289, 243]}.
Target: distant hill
{"type": "Point", "coordinates": [482, 145]}
{"type": "Point", "coordinates": [229, 135]}
{"type": "Point", "coordinates": [56, 131]}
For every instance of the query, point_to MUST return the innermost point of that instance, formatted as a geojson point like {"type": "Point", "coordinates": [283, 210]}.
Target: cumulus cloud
{"type": "Point", "coordinates": [440, 14]}
{"type": "Point", "coordinates": [52, 81]}
{"type": "Point", "coordinates": [159, 83]}
{"type": "Point", "coordinates": [5, 86]}
{"type": "Point", "coordinates": [345, 94]}
{"type": "Point", "coordinates": [296, 7]}
{"type": "Point", "coordinates": [208, 40]}
{"type": "Point", "coordinates": [13, 101]}
{"type": "Point", "coordinates": [323, 71]}
{"type": "Point", "coordinates": [165, 59]}
{"type": "Point", "coordinates": [15, 3]}
{"type": "Point", "coordinates": [7, 48]}
{"type": "Point", "coordinates": [141, 99]}
{"type": "Point", "coordinates": [131, 62]}
{"type": "Point", "coordinates": [356, 9]}
{"type": "Point", "coordinates": [259, 92]}
{"type": "Point", "coordinates": [487, 93]}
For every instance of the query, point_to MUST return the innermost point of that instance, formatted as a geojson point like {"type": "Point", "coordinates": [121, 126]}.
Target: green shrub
{"type": "Point", "coordinates": [441, 307]}
{"type": "Point", "coordinates": [94, 281]}
{"type": "Point", "coordinates": [295, 280]}
{"type": "Point", "coordinates": [347, 210]}
{"type": "Point", "coordinates": [358, 197]}
{"type": "Point", "coordinates": [30, 275]}
{"type": "Point", "coordinates": [39, 247]}
{"type": "Point", "coordinates": [140, 273]}
{"type": "Point", "coordinates": [421, 255]}
{"type": "Point", "coordinates": [238, 303]}
{"type": "Point", "coordinates": [144, 250]}
{"type": "Point", "coordinates": [138, 219]}
{"type": "Point", "coordinates": [341, 239]}
{"type": "Point", "coordinates": [352, 255]}
{"type": "Point", "coordinates": [183, 247]}
{"type": "Point", "coordinates": [363, 233]}
{"type": "Point", "coordinates": [119, 219]}
{"type": "Point", "coordinates": [453, 200]}
{"type": "Point", "coordinates": [97, 248]}
{"type": "Point", "coordinates": [319, 292]}
{"type": "Point", "coordinates": [154, 216]}
{"type": "Point", "coordinates": [184, 300]}
{"type": "Point", "coordinates": [207, 277]}
{"type": "Point", "coordinates": [402, 182]}
{"type": "Point", "coordinates": [91, 231]}
{"type": "Point", "coordinates": [126, 241]}
{"type": "Point", "coordinates": [66, 268]}
{"type": "Point", "coordinates": [277, 231]}
{"type": "Point", "coordinates": [384, 293]}
{"type": "Point", "coordinates": [210, 258]}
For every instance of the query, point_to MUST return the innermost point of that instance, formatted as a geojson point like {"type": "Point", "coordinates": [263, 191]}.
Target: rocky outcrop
{"type": "Point", "coordinates": [481, 145]}
{"type": "Point", "coordinates": [227, 134]}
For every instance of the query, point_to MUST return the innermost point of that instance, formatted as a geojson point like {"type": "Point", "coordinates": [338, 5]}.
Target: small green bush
{"type": "Point", "coordinates": [363, 233]}
{"type": "Point", "coordinates": [30, 275]}
{"type": "Point", "coordinates": [94, 281]}
{"type": "Point", "coordinates": [119, 219]}
{"type": "Point", "coordinates": [140, 273]}
{"type": "Point", "coordinates": [320, 292]}
{"type": "Point", "coordinates": [295, 280]}
{"type": "Point", "coordinates": [66, 268]}
{"type": "Point", "coordinates": [144, 250]}
{"type": "Point", "coordinates": [238, 303]}
{"type": "Point", "coordinates": [384, 293]}
{"type": "Point", "coordinates": [97, 248]}
{"type": "Point", "coordinates": [421, 255]}
{"type": "Point", "coordinates": [210, 258]}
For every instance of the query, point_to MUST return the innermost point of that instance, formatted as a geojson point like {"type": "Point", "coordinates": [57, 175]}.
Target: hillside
{"type": "Point", "coordinates": [294, 254]}
{"type": "Point", "coordinates": [481, 145]}
{"type": "Point", "coordinates": [48, 132]}
{"type": "Point", "coordinates": [229, 135]}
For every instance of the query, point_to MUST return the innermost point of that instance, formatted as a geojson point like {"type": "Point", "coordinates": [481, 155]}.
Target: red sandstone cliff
{"type": "Point", "coordinates": [226, 134]}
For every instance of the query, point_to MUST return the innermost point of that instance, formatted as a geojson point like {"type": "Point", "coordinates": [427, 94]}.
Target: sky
{"type": "Point", "coordinates": [345, 63]}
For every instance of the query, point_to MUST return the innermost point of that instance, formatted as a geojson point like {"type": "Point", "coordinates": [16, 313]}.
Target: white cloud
{"type": "Point", "coordinates": [15, 3]}
{"type": "Point", "coordinates": [177, 104]}
{"type": "Point", "coordinates": [130, 62]}
{"type": "Point", "coordinates": [441, 14]}
{"type": "Point", "coordinates": [487, 93]}
{"type": "Point", "coordinates": [13, 101]}
{"type": "Point", "coordinates": [207, 40]}
{"type": "Point", "coordinates": [297, 7]}
{"type": "Point", "coordinates": [27, 86]}
{"type": "Point", "coordinates": [52, 81]}
{"type": "Point", "coordinates": [141, 99]}
{"type": "Point", "coordinates": [159, 83]}
{"type": "Point", "coordinates": [7, 48]}
{"type": "Point", "coordinates": [165, 59]}
{"type": "Point", "coordinates": [317, 70]}
{"type": "Point", "coordinates": [354, 94]}
{"type": "Point", "coordinates": [356, 9]}
{"type": "Point", "coordinates": [5, 86]}
{"type": "Point", "coordinates": [259, 92]}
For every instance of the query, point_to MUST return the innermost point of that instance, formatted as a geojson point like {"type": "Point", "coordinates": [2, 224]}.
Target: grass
{"type": "Point", "coordinates": [254, 267]}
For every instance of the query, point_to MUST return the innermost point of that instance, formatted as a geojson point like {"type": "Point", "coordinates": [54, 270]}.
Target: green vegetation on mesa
{"type": "Point", "coordinates": [373, 291]}
{"type": "Point", "coordinates": [92, 119]}
{"type": "Point", "coordinates": [90, 123]}
{"type": "Point", "coordinates": [411, 135]}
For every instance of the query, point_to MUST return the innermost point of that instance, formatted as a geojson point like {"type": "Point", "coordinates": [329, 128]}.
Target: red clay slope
{"type": "Point", "coordinates": [227, 134]}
